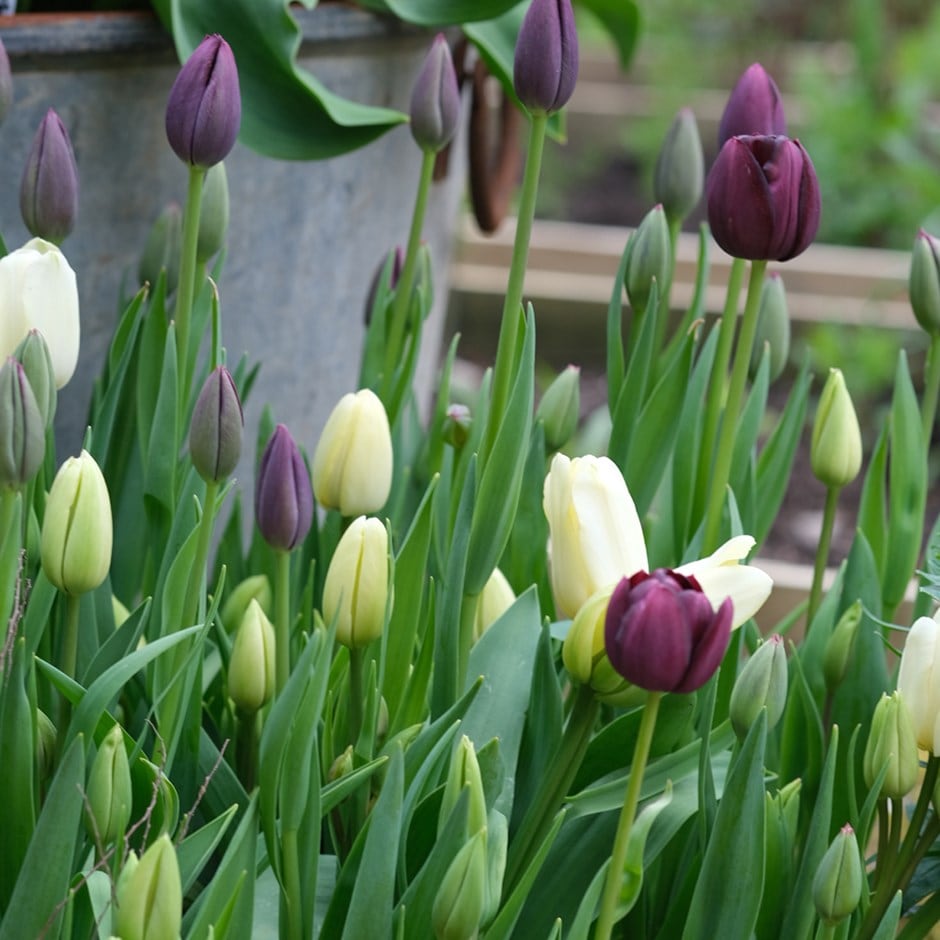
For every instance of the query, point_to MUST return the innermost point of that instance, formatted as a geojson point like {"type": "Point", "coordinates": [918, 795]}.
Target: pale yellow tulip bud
{"type": "Point", "coordinates": [108, 808]}
{"type": "Point", "coordinates": [464, 772]}
{"type": "Point", "coordinates": [251, 669]}
{"type": "Point", "coordinates": [495, 599]}
{"type": "Point", "coordinates": [461, 899]}
{"type": "Point", "coordinates": [891, 742]}
{"type": "Point", "coordinates": [150, 898]}
{"type": "Point", "coordinates": [836, 448]}
{"type": "Point", "coordinates": [352, 465]}
{"type": "Point", "coordinates": [356, 590]}
{"type": "Point", "coordinates": [920, 664]}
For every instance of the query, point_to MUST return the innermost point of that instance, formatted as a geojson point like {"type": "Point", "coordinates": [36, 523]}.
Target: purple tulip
{"type": "Point", "coordinates": [662, 634]}
{"type": "Point", "coordinates": [763, 198]}
{"type": "Point", "coordinates": [204, 109]}
{"type": "Point", "coordinates": [754, 107]}
{"type": "Point", "coordinates": [435, 99]}
{"type": "Point", "coordinates": [215, 432]}
{"type": "Point", "coordinates": [546, 62]}
{"type": "Point", "coordinates": [49, 189]}
{"type": "Point", "coordinates": [283, 493]}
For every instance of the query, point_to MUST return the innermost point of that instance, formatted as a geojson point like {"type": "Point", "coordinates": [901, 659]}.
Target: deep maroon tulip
{"type": "Point", "coordinates": [546, 62]}
{"type": "Point", "coordinates": [204, 109]}
{"type": "Point", "coordinates": [754, 107]}
{"type": "Point", "coordinates": [49, 189]}
{"type": "Point", "coordinates": [662, 634]}
{"type": "Point", "coordinates": [283, 493]}
{"type": "Point", "coordinates": [435, 99]}
{"type": "Point", "coordinates": [763, 198]}
{"type": "Point", "coordinates": [215, 433]}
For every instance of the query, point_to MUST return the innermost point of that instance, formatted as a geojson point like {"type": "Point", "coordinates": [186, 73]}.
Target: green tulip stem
{"type": "Point", "coordinates": [69, 660]}
{"type": "Point", "coordinates": [282, 620]}
{"type": "Point", "coordinates": [186, 289]}
{"type": "Point", "coordinates": [356, 694]}
{"type": "Point", "coordinates": [554, 786]}
{"type": "Point", "coordinates": [512, 305]}
{"type": "Point", "coordinates": [290, 887]}
{"type": "Point", "coordinates": [822, 553]}
{"type": "Point", "coordinates": [729, 423]}
{"type": "Point", "coordinates": [931, 390]}
{"type": "Point", "coordinates": [204, 538]}
{"type": "Point", "coordinates": [717, 379]}
{"type": "Point", "coordinates": [612, 885]}
{"type": "Point", "coordinates": [398, 317]}
{"type": "Point", "coordinates": [825, 931]}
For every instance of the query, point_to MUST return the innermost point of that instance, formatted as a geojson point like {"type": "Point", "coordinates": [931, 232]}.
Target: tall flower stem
{"type": "Point", "coordinates": [822, 552]}
{"type": "Point", "coordinates": [186, 290]}
{"type": "Point", "coordinates": [68, 660]}
{"type": "Point", "coordinates": [282, 621]}
{"type": "Point", "coordinates": [606, 918]}
{"type": "Point", "coordinates": [742, 358]}
{"type": "Point", "coordinates": [509, 325]}
{"type": "Point", "coordinates": [555, 785]}
{"type": "Point", "coordinates": [398, 317]}
{"type": "Point", "coordinates": [716, 386]}
{"type": "Point", "coordinates": [931, 389]}
{"type": "Point", "coordinates": [356, 694]}
{"type": "Point", "coordinates": [194, 588]}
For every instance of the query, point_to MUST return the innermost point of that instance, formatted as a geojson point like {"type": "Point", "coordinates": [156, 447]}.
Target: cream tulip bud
{"type": "Point", "coordinates": [464, 773]}
{"type": "Point", "coordinates": [254, 587]}
{"type": "Point", "coordinates": [109, 796]}
{"type": "Point", "coordinates": [891, 743]}
{"type": "Point", "coordinates": [839, 645]}
{"type": "Point", "coordinates": [461, 899]}
{"type": "Point", "coordinates": [920, 664]}
{"type": "Point", "coordinates": [495, 599]}
{"type": "Point", "coordinates": [762, 684]}
{"type": "Point", "coordinates": [355, 593]}
{"type": "Point", "coordinates": [560, 408]}
{"type": "Point", "coordinates": [251, 670]}
{"type": "Point", "coordinates": [75, 545]}
{"type": "Point", "coordinates": [38, 291]}
{"type": "Point", "coordinates": [836, 447]}
{"type": "Point", "coordinates": [352, 465]}
{"type": "Point", "coordinates": [150, 899]}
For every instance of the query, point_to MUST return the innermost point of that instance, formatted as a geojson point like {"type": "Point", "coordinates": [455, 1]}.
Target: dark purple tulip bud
{"type": "Point", "coordinates": [22, 431]}
{"type": "Point", "coordinates": [546, 62]}
{"type": "Point", "coordinates": [754, 107]}
{"type": "Point", "coordinates": [204, 110]}
{"type": "Point", "coordinates": [662, 634]}
{"type": "Point", "coordinates": [283, 494]}
{"type": "Point", "coordinates": [49, 189]}
{"type": "Point", "coordinates": [435, 100]}
{"type": "Point", "coordinates": [763, 198]}
{"type": "Point", "coordinates": [6, 83]}
{"type": "Point", "coordinates": [215, 433]}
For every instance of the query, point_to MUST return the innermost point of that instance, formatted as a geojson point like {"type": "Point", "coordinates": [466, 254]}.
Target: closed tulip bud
{"type": "Point", "coordinates": [773, 327]}
{"type": "Point", "coordinates": [495, 599]}
{"type": "Point", "coordinates": [662, 634]}
{"type": "Point", "coordinates": [120, 614]}
{"type": "Point", "coordinates": [355, 593]}
{"type": "Point", "coordinates": [754, 107]}
{"type": "Point", "coordinates": [33, 354]}
{"type": "Point", "coordinates": [163, 248]}
{"type": "Point", "coordinates": [46, 736]}
{"type": "Point", "coordinates": [595, 532]}
{"type": "Point", "coordinates": [920, 664]}
{"type": "Point", "coordinates": [839, 645]}
{"type": "Point", "coordinates": [255, 587]}
{"type": "Point", "coordinates": [386, 275]}
{"type": "Point", "coordinates": [458, 422]}
{"type": "Point", "coordinates": [679, 175]}
{"type": "Point", "coordinates": [924, 282]}
{"type": "Point", "coordinates": [891, 744]}
{"type": "Point", "coordinates": [352, 465]}
{"type": "Point", "coordinates": [649, 258]}
{"type": "Point", "coordinates": [343, 765]}
{"type": "Point", "coordinates": [109, 796]}
{"type": "Point", "coordinates": [49, 188]}
{"type": "Point", "coordinates": [836, 447]}
{"type": "Point", "coordinates": [6, 84]}
{"type": "Point", "coordinates": [213, 214]}
{"type": "Point", "coordinates": [837, 887]}
{"type": "Point", "coordinates": [283, 496]}
{"type": "Point", "coordinates": [762, 684]}
{"type": "Point", "coordinates": [763, 198]}
{"type": "Point", "coordinates": [435, 99]}
{"type": "Point", "coordinates": [75, 544]}
{"type": "Point", "coordinates": [204, 109]}
{"type": "Point", "coordinates": [461, 898]}
{"type": "Point", "coordinates": [251, 669]}
{"type": "Point", "coordinates": [464, 772]}
{"type": "Point", "coordinates": [215, 432]}
{"type": "Point", "coordinates": [22, 430]}
{"type": "Point", "coordinates": [38, 291]}
{"type": "Point", "coordinates": [545, 67]}
{"type": "Point", "coordinates": [150, 900]}
{"type": "Point", "coordinates": [560, 407]}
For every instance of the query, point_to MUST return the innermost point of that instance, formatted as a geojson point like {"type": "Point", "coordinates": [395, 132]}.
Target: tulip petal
{"type": "Point", "coordinates": [916, 679]}
{"type": "Point", "coordinates": [706, 656]}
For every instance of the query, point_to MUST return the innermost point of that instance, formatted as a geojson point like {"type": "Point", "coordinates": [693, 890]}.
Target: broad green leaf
{"type": "Point", "coordinates": [448, 12]}
{"type": "Point", "coordinates": [336, 791]}
{"type": "Point", "coordinates": [872, 508]}
{"type": "Point", "coordinates": [194, 851]}
{"type": "Point", "coordinates": [160, 473]}
{"type": "Point", "coordinates": [36, 906]}
{"type": "Point", "coordinates": [621, 19]}
{"type": "Point", "coordinates": [888, 928]}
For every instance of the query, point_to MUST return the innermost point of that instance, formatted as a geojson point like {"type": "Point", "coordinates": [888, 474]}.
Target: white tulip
{"type": "Point", "coordinates": [919, 681]}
